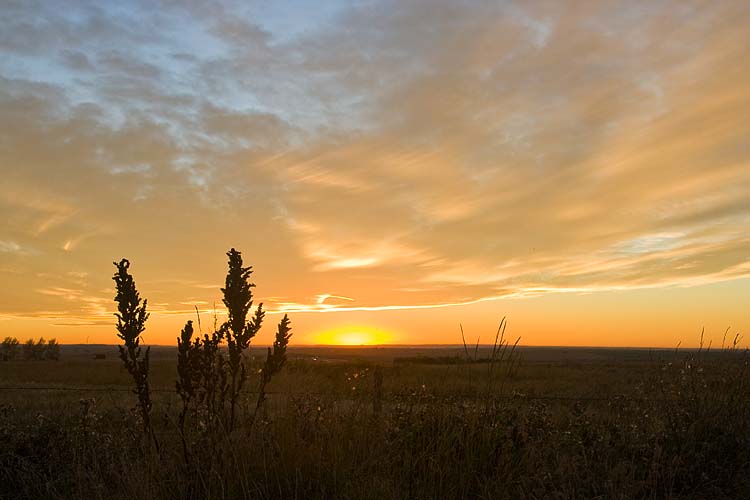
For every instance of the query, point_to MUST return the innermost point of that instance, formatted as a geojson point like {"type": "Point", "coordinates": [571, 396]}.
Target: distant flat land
{"type": "Point", "coordinates": [389, 353]}
{"type": "Point", "coordinates": [567, 371]}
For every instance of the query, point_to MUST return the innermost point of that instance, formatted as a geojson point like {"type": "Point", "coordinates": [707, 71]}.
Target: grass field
{"type": "Point", "coordinates": [552, 423]}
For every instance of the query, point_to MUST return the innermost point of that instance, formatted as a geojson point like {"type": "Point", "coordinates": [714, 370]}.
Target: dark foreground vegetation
{"type": "Point", "coordinates": [482, 424]}
{"type": "Point", "coordinates": [671, 428]}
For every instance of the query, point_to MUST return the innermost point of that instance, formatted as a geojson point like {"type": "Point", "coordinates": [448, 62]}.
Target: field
{"type": "Point", "coordinates": [389, 422]}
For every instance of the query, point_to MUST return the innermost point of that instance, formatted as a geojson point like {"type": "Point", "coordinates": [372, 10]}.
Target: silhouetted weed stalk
{"type": "Point", "coordinates": [502, 362]}
{"type": "Point", "coordinates": [131, 322]}
{"type": "Point", "coordinates": [275, 359]}
{"type": "Point", "coordinates": [209, 382]}
{"type": "Point", "coordinates": [237, 330]}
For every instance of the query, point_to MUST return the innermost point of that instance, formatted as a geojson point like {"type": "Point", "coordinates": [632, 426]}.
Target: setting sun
{"type": "Point", "coordinates": [354, 335]}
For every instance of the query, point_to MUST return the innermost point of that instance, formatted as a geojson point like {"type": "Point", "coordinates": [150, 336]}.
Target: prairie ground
{"type": "Point", "coordinates": [389, 422]}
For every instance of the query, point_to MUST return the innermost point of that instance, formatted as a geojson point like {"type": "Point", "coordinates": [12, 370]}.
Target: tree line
{"type": "Point", "coordinates": [31, 350]}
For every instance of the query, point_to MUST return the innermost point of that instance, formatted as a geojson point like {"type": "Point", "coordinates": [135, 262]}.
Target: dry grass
{"type": "Point", "coordinates": [678, 430]}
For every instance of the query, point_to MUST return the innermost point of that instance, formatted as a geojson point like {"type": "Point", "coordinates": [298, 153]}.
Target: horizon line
{"type": "Point", "coordinates": [359, 346]}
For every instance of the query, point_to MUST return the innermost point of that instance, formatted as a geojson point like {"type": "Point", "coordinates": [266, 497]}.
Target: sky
{"type": "Point", "coordinates": [390, 169]}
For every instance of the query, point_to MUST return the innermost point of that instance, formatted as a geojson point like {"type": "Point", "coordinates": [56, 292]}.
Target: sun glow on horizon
{"type": "Point", "coordinates": [354, 335]}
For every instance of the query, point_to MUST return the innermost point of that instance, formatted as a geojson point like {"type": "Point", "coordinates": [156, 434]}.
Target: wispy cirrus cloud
{"type": "Point", "coordinates": [402, 155]}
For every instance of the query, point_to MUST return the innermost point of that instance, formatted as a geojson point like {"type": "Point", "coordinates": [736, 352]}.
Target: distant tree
{"type": "Point", "coordinates": [34, 351]}
{"type": "Point", "coordinates": [9, 349]}
{"type": "Point", "coordinates": [28, 349]}
{"type": "Point", "coordinates": [39, 348]}
{"type": "Point", "coordinates": [52, 350]}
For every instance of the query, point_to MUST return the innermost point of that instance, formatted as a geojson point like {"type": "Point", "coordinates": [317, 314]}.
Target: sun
{"type": "Point", "coordinates": [354, 335]}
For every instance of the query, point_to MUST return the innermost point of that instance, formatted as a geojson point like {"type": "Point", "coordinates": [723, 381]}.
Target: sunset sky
{"type": "Point", "coordinates": [389, 169]}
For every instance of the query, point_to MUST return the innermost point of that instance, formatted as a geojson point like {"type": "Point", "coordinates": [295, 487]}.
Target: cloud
{"type": "Point", "coordinates": [10, 246]}
{"type": "Point", "coordinates": [407, 154]}
{"type": "Point", "coordinates": [543, 151]}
